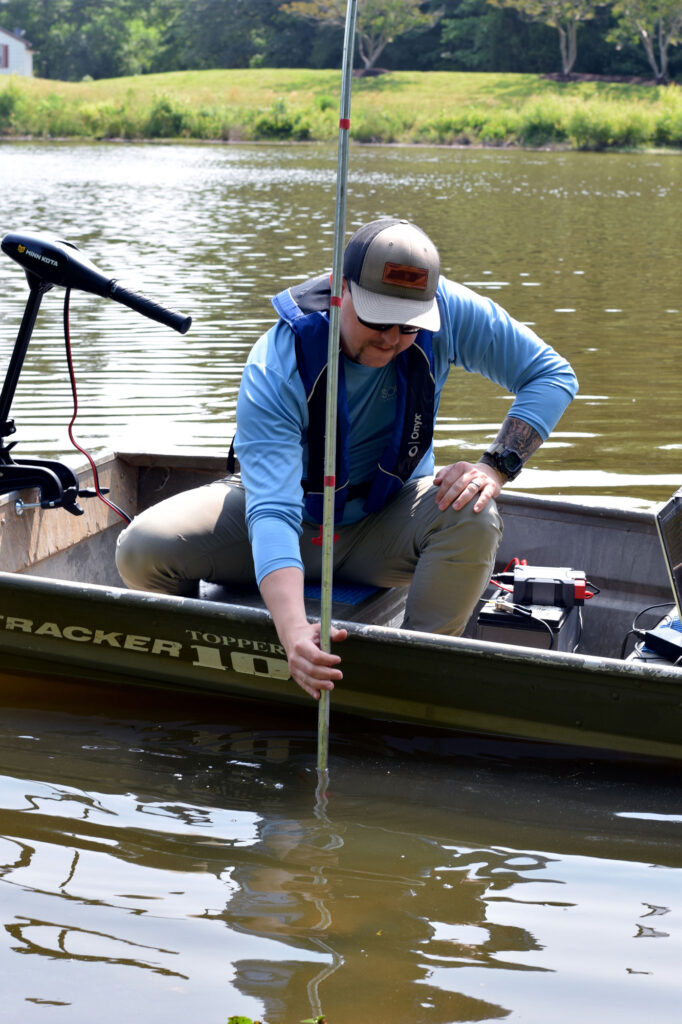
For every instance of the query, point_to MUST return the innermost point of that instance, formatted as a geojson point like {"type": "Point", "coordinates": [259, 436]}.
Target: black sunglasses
{"type": "Point", "coordinates": [381, 328]}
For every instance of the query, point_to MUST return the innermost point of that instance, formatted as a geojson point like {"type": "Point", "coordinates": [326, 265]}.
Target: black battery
{"type": "Point", "coordinates": [544, 626]}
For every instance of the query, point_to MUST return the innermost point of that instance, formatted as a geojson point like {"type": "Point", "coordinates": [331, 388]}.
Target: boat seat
{"type": "Point", "coordinates": [352, 602]}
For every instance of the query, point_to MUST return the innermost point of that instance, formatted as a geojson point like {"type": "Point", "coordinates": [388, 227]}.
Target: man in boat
{"type": "Point", "coordinates": [402, 328]}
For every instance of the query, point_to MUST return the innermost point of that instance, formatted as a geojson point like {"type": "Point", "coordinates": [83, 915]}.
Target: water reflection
{"type": "Point", "coordinates": [578, 245]}
{"type": "Point", "coordinates": [445, 880]}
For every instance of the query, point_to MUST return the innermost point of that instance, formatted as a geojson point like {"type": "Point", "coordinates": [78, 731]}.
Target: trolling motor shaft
{"type": "Point", "coordinates": [57, 483]}
{"type": "Point", "coordinates": [48, 262]}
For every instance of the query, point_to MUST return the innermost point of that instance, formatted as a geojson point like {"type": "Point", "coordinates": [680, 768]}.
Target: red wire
{"type": "Point", "coordinates": [515, 561]}
{"type": "Point", "coordinates": [74, 442]}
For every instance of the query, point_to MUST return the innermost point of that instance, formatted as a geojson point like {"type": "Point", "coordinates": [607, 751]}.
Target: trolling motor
{"type": "Point", "coordinates": [48, 262]}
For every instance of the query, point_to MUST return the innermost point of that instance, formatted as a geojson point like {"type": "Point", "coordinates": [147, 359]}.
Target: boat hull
{"type": "Point", "coordinates": [61, 617]}
{"type": "Point", "coordinates": [105, 635]}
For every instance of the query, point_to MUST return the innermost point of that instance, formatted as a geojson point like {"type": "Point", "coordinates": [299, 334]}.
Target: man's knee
{"type": "Point", "coordinates": [477, 532]}
{"type": "Point", "coordinates": [147, 558]}
{"type": "Point", "coordinates": [198, 534]}
{"type": "Point", "coordinates": [130, 557]}
{"type": "Point", "coordinates": [485, 526]}
{"type": "Point", "coordinates": [137, 555]}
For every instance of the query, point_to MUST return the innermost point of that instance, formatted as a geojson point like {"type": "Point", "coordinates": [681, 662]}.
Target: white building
{"type": "Point", "coordinates": [16, 56]}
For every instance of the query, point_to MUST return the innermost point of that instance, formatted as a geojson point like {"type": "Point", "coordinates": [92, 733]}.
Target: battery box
{"type": "Point", "coordinates": [542, 609]}
{"type": "Point", "coordinates": [547, 585]}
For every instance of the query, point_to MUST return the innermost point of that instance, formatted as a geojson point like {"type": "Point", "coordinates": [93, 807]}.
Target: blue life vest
{"type": "Point", "coordinates": [306, 309]}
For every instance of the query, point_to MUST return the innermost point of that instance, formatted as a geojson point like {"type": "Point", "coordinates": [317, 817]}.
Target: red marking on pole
{"type": "Point", "coordinates": [317, 541]}
{"type": "Point", "coordinates": [335, 300]}
{"type": "Point", "coordinates": [344, 122]}
{"type": "Point", "coordinates": [330, 481]}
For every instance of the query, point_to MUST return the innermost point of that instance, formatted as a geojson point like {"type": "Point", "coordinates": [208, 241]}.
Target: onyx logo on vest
{"type": "Point", "coordinates": [415, 435]}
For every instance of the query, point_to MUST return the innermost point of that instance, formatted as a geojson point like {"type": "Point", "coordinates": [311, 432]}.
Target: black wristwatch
{"type": "Point", "coordinates": [505, 460]}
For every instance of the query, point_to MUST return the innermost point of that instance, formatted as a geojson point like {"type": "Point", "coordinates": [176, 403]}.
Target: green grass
{"type": "Point", "coordinates": [445, 108]}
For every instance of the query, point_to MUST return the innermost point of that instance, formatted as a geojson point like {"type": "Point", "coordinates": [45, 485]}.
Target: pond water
{"type": "Point", "coordinates": [166, 858]}
{"type": "Point", "coordinates": [585, 247]}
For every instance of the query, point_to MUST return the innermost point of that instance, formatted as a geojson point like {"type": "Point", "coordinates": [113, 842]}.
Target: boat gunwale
{"type": "Point", "coordinates": [485, 649]}
{"type": "Point", "coordinates": [201, 460]}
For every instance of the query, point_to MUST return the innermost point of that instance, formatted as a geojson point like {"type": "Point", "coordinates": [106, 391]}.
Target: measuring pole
{"type": "Point", "coordinates": [333, 373]}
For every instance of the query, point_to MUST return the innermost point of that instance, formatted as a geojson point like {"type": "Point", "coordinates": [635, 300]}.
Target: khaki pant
{"type": "Point", "coordinates": [445, 557]}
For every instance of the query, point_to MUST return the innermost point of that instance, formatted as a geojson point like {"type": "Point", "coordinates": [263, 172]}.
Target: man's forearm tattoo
{"type": "Point", "coordinates": [520, 436]}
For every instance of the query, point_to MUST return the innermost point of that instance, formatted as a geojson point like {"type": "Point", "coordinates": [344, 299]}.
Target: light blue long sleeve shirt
{"type": "Point", "coordinates": [272, 413]}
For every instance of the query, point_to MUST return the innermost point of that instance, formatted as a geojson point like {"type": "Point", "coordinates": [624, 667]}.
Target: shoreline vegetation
{"type": "Point", "coordinates": [297, 105]}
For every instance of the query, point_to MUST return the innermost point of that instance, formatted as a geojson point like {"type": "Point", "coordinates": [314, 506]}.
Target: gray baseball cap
{"type": "Point", "coordinates": [393, 268]}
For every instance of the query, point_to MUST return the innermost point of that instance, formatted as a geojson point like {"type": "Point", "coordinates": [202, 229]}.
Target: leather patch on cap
{"type": "Point", "coordinates": [405, 277]}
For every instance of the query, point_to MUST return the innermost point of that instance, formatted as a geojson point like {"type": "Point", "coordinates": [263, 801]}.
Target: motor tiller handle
{"type": "Point", "coordinates": [60, 263]}
{"type": "Point", "coordinates": [141, 304]}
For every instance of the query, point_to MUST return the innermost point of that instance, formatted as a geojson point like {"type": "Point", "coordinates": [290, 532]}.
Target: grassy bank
{"type": "Point", "coordinates": [446, 108]}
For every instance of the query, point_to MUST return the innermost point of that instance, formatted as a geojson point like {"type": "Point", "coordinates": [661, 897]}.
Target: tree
{"type": "Point", "coordinates": [379, 22]}
{"type": "Point", "coordinates": [204, 34]}
{"type": "Point", "coordinates": [657, 24]}
{"type": "Point", "coordinates": [563, 15]}
{"type": "Point", "coordinates": [478, 37]}
{"type": "Point", "coordinates": [74, 38]}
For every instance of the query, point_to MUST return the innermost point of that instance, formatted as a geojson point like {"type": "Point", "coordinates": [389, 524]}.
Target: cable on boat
{"type": "Point", "coordinates": [72, 377]}
{"type": "Point", "coordinates": [580, 630]}
{"type": "Point", "coordinates": [640, 633]}
{"type": "Point", "coordinates": [524, 610]}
